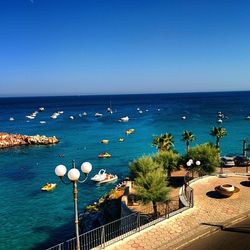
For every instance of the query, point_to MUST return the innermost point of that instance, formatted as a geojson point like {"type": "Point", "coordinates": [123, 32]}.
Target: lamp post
{"type": "Point", "coordinates": [191, 162]}
{"type": "Point", "coordinates": [73, 176]}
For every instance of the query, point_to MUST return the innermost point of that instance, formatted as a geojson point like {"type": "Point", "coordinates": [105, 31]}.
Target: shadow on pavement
{"type": "Point", "coordinates": [215, 195]}
{"type": "Point", "coordinates": [245, 183]}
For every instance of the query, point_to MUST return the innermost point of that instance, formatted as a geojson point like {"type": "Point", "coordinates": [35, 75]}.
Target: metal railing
{"type": "Point", "coordinates": [119, 229]}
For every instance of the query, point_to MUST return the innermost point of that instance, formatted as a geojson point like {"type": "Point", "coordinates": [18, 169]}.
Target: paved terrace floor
{"type": "Point", "coordinates": [209, 211]}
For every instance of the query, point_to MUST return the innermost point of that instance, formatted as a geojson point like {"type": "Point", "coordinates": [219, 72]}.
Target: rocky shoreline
{"type": "Point", "coordinates": [12, 140]}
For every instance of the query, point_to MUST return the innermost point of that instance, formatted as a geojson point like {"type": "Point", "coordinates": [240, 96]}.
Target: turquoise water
{"type": "Point", "coordinates": [31, 219]}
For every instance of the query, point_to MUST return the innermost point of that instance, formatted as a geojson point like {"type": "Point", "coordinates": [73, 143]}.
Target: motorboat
{"type": "Point", "coordinates": [42, 122]}
{"type": "Point", "coordinates": [219, 121]}
{"type": "Point", "coordinates": [247, 117]}
{"type": "Point", "coordinates": [49, 187]}
{"type": "Point", "coordinates": [121, 139]}
{"type": "Point", "coordinates": [124, 119]}
{"type": "Point", "coordinates": [129, 131]}
{"type": "Point", "coordinates": [71, 117]}
{"type": "Point", "coordinates": [103, 177]}
{"type": "Point", "coordinates": [11, 119]}
{"type": "Point", "coordinates": [84, 113]}
{"type": "Point", "coordinates": [104, 155]}
{"type": "Point", "coordinates": [98, 114]}
{"type": "Point", "coordinates": [140, 111]}
{"type": "Point", "coordinates": [183, 117]}
{"type": "Point", "coordinates": [105, 141]}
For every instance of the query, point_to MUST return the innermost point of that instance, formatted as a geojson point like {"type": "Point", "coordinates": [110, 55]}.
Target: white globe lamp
{"type": "Point", "coordinates": [86, 167]}
{"type": "Point", "coordinates": [198, 163]}
{"type": "Point", "coordinates": [73, 174]}
{"type": "Point", "coordinates": [60, 170]}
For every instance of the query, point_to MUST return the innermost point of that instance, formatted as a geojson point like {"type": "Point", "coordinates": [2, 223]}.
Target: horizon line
{"type": "Point", "coordinates": [117, 94]}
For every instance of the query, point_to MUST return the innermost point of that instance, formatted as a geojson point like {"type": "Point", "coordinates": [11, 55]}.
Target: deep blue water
{"type": "Point", "coordinates": [31, 219]}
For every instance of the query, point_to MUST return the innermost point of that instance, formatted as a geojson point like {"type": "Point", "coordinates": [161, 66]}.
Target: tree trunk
{"type": "Point", "coordinates": [217, 142]}
{"type": "Point", "coordinates": [155, 208]}
{"type": "Point", "coordinates": [244, 148]}
{"type": "Point", "coordinates": [169, 173]}
{"type": "Point", "coordinates": [187, 147]}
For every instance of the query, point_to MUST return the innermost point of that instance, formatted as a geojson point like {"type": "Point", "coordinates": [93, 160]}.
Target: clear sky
{"type": "Point", "coordinates": [64, 47]}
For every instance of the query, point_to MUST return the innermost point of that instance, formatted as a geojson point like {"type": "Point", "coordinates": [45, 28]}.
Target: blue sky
{"type": "Point", "coordinates": [64, 47]}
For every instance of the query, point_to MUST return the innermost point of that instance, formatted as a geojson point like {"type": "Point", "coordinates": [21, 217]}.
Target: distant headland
{"type": "Point", "coordinates": [12, 140]}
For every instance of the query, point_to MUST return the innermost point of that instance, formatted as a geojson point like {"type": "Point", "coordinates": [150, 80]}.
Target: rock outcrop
{"type": "Point", "coordinates": [12, 140]}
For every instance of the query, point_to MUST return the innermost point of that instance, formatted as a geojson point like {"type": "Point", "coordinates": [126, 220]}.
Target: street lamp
{"type": "Point", "coordinates": [191, 162]}
{"type": "Point", "coordinates": [73, 176]}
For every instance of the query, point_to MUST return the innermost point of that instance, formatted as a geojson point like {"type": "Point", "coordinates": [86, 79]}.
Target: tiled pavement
{"type": "Point", "coordinates": [171, 233]}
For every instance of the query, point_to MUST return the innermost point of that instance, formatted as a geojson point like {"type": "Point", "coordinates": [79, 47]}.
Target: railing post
{"type": "Point", "coordinates": [138, 222]}
{"type": "Point", "coordinates": [103, 237]}
{"type": "Point", "coordinates": [191, 198]}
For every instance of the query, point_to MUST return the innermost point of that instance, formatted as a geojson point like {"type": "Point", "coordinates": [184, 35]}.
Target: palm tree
{"type": "Point", "coordinates": [187, 136]}
{"type": "Point", "coordinates": [152, 187]}
{"type": "Point", "coordinates": [168, 159]}
{"type": "Point", "coordinates": [219, 133]}
{"type": "Point", "coordinates": [164, 142]}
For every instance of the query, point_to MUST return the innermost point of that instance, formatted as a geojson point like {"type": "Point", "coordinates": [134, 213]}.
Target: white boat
{"type": "Point", "coordinates": [12, 119]}
{"type": "Point", "coordinates": [41, 109]}
{"type": "Point", "coordinates": [140, 111]}
{"type": "Point", "coordinates": [84, 113]}
{"type": "Point", "coordinates": [55, 115]}
{"type": "Point", "coordinates": [124, 119]}
{"type": "Point", "coordinates": [30, 117]}
{"type": "Point", "coordinates": [219, 121]}
{"type": "Point", "coordinates": [247, 117]}
{"type": "Point", "coordinates": [109, 110]}
{"type": "Point", "coordinates": [98, 114]}
{"type": "Point", "coordinates": [71, 117]}
{"type": "Point", "coordinates": [103, 177]}
{"type": "Point", "coordinates": [183, 117]}
{"type": "Point", "coordinates": [42, 122]}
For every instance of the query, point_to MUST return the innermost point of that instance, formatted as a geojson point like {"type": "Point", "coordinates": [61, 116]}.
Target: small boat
{"type": "Point", "coordinates": [41, 109]}
{"type": "Point", "coordinates": [103, 177]}
{"type": "Point", "coordinates": [109, 110]}
{"type": "Point", "coordinates": [84, 113]}
{"type": "Point", "coordinates": [104, 155]}
{"type": "Point", "coordinates": [129, 131]}
{"type": "Point", "coordinates": [105, 141]}
{"type": "Point", "coordinates": [98, 114]}
{"type": "Point", "coordinates": [219, 121]}
{"type": "Point", "coordinates": [30, 117]}
{"type": "Point", "coordinates": [121, 139]}
{"type": "Point", "coordinates": [42, 122]}
{"type": "Point", "coordinates": [247, 117]}
{"type": "Point", "coordinates": [140, 111]}
{"type": "Point", "coordinates": [11, 119]}
{"type": "Point", "coordinates": [49, 187]}
{"type": "Point", "coordinates": [55, 115]}
{"type": "Point", "coordinates": [184, 117]}
{"type": "Point", "coordinates": [124, 119]}
{"type": "Point", "coordinates": [71, 117]}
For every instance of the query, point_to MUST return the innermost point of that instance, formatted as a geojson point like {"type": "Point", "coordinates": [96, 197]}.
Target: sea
{"type": "Point", "coordinates": [32, 219]}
